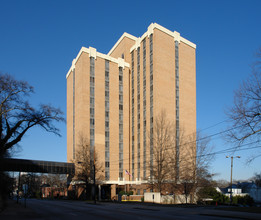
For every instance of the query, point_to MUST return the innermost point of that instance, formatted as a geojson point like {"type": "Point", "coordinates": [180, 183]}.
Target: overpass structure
{"type": "Point", "coordinates": [36, 166]}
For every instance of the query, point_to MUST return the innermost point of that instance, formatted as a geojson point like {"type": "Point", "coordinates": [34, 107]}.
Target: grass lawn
{"type": "Point", "coordinates": [242, 209]}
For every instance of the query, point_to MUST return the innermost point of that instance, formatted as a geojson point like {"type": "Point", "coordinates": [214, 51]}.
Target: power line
{"type": "Point", "coordinates": [238, 148]}
{"type": "Point", "coordinates": [212, 126]}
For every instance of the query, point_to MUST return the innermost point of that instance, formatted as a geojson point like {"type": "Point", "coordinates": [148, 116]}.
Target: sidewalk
{"type": "Point", "coordinates": [15, 211]}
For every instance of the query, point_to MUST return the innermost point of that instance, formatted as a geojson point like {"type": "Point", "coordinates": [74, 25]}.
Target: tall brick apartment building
{"type": "Point", "coordinates": [113, 98]}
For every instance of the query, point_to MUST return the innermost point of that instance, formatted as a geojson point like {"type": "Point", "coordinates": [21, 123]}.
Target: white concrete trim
{"type": "Point", "coordinates": [121, 38]}
{"type": "Point", "coordinates": [150, 30]}
{"type": "Point", "coordinates": [71, 69]}
{"type": "Point", "coordinates": [93, 53]}
{"type": "Point", "coordinates": [163, 29]}
{"type": "Point", "coordinates": [121, 62]}
{"type": "Point", "coordinates": [185, 41]}
{"type": "Point", "coordinates": [175, 35]}
{"type": "Point", "coordinates": [137, 43]}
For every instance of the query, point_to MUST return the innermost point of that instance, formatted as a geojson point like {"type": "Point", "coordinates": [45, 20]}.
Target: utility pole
{"type": "Point", "coordinates": [232, 157]}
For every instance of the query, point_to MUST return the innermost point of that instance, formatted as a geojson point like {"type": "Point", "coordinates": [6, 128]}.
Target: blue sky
{"type": "Point", "coordinates": [39, 39]}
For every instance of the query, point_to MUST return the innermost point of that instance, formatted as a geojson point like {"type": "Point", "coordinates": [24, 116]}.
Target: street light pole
{"type": "Point", "coordinates": [231, 176]}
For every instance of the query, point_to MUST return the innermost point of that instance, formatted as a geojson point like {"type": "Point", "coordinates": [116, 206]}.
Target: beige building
{"type": "Point", "coordinates": [113, 98]}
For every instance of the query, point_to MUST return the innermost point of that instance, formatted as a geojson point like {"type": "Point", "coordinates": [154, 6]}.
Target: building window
{"type": "Point", "coordinates": [121, 137]}
{"type": "Point", "coordinates": [92, 80]}
{"type": "Point", "coordinates": [92, 67]}
{"type": "Point", "coordinates": [107, 120]}
{"type": "Point", "coordinates": [132, 113]}
{"type": "Point", "coordinates": [107, 175]}
{"type": "Point", "coordinates": [121, 117]}
{"type": "Point", "coordinates": [107, 155]}
{"type": "Point", "coordinates": [106, 74]}
{"type": "Point", "coordinates": [107, 85]}
{"type": "Point", "coordinates": [74, 114]}
{"type": "Point", "coordinates": [92, 105]}
{"type": "Point", "coordinates": [177, 105]}
{"type": "Point", "coordinates": [138, 112]}
{"type": "Point", "coordinates": [92, 91]}
{"type": "Point", "coordinates": [151, 103]}
{"type": "Point", "coordinates": [120, 122]}
{"type": "Point", "coordinates": [121, 98]}
{"type": "Point", "coordinates": [107, 104]}
{"type": "Point", "coordinates": [121, 145]}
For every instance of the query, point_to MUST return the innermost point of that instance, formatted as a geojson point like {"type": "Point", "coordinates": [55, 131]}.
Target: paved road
{"type": "Point", "coordinates": [44, 209]}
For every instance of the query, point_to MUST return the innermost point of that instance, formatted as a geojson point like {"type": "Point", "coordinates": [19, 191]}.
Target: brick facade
{"type": "Point", "coordinates": [154, 71]}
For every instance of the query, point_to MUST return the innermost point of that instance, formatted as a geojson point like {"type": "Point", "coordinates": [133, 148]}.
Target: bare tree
{"type": "Point", "coordinates": [17, 116]}
{"type": "Point", "coordinates": [183, 172]}
{"type": "Point", "coordinates": [221, 183]}
{"type": "Point", "coordinates": [57, 182]}
{"type": "Point", "coordinates": [194, 163]}
{"type": "Point", "coordinates": [204, 158]}
{"type": "Point", "coordinates": [245, 114]}
{"type": "Point", "coordinates": [185, 181]}
{"type": "Point", "coordinates": [87, 162]}
{"type": "Point", "coordinates": [163, 141]}
{"type": "Point", "coordinates": [257, 179]}
{"type": "Point", "coordinates": [32, 181]}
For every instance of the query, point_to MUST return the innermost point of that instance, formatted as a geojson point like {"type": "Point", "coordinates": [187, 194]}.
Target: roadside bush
{"type": "Point", "coordinates": [211, 192]}
{"type": "Point", "coordinates": [243, 200]}
{"type": "Point", "coordinates": [221, 199]}
{"type": "Point", "coordinates": [127, 193]}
